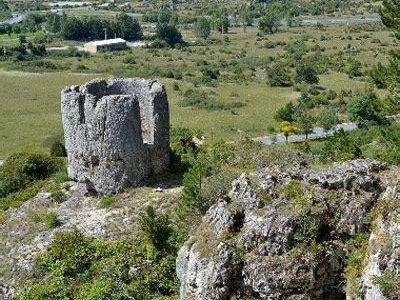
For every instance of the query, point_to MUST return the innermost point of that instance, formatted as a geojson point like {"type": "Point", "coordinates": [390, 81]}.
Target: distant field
{"type": "Point", "coordinates": [29, 103]}
{"type": "Point", "coordinates": [30, 109]}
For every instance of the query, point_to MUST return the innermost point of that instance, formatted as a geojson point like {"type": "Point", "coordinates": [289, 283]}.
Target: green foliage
{"type": "Point", "coordinates": [57, 149]}
{"type": "Point", "coordinates": [21, 169]}
{"type": "Point", "coordinates": [353, 68]}
{"type": "Point", "coordinates": [169, 34]}
{"type": "Point", "coordinates": [380, 75]}
{"type": "Point", "coordinates": [220, 21]}
{"type": "Point", "coordinates": [76, 267]}
{"type": "Point", "coordinates": [271, 18]}
{"type": "Point", "coordinates": [390, 12]}
{"type": "Point", "coordinates": [365, 110]}
{"type": "Point", "coordinates": [107, 200]}
{"type": "Point", "coordinates": [286, 113]}
{"type": "Point", "coordinates": [340, 147]}
{"type": "Point", "coordinates": [156, 228]}
{"type": "Point", "coordinates": [50, 220]}
{"type": "Point", "coordinates": [279, 75]}
{"type": "Point", "coordinates": [128, 27]}
{"type": "Point", "coordinates": [192, 199]}
{"type": "Point", "coordinates": [305, 122]}
{"type": "Point", "coordinates": [388, 283]}
{"type": "Point", "coordinates": [199, 99]}
{"type": "Point", "coordinates": [306, 74]}
{"type": "Point", "coordinates": [354, 262]}
{"type": "Point", "coordinates": [202, 28]}
{"type": "Point", "coordinates": [377, 142]}
{"type": "Point", "coordinates": [327, 119]}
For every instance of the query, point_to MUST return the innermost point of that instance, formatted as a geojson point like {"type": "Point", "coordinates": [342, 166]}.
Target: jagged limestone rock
{"type": "Point", "coordinates": [116, 132]}
{"type": "Point", "coordinates": [286, 230]}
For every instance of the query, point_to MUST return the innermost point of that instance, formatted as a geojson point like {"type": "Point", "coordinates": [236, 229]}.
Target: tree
{"type": "Point", "coordinates": [287, 129]}
{"type": "Point", "coordinates": [286, 113]}
{"type": "Point", "coordinates": [192, 199]}
{"type": "Point", "coordinates": [221, 21]}
{"type": "Point", "coordinates": [366, 109]}
{"type": "Point", "coordinates": [246, 16]}
{"type": "Point", "coordinates": [279, 75]}
{"type": "Point", "coordinates": [128, 27]}
{"type": "Point", "coordinates": [168, 33]}
{"type": "Point", "coordinates": [271, 18]}
{"type": "Point", "coordinates": [305, 121]}
{"type": "Point", "coordinates": [380, 75]}
{"type": "Point", "coordinates": [164, 16]}
{"type": "Point", "coordinates": [390, 13]}
{"type": "Point", "coordinates": [202, 28]}
{"type": "Point", "coordinates": [327, 119]}
{"type": "Point", "coordinates": [306, 74]}
{"type": "Point", "coordinates": [353, 68]}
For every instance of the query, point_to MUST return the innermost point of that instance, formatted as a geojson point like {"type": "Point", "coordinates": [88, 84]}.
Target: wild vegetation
{"type": "Point", "coordinates": [231, 73]}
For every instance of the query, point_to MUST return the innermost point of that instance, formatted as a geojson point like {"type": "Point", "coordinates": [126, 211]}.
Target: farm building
{"type": "Point", "coordinates": [111, 44]}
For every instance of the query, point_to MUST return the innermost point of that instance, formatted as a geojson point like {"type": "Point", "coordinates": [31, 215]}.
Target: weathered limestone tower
{"type": "Point", "coordinates": [116, 132]}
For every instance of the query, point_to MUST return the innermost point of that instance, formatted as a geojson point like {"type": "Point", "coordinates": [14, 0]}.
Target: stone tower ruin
{"type": "Point", "coordinates": [116, 132]}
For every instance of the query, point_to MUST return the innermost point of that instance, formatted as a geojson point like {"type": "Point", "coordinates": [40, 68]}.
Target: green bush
{"type": "Point", "coordinates": [76, 267]}
{"type": "Point", "coordinates": [199, 99]}
{"type": "Point", "coordinates": [106, 200]}
{"type": "Point", "coordinates": [21, 169]}
{"type": "Point", "coordinates": [57, 149]}
{"type": "Point", "coordinates": [365, 110]}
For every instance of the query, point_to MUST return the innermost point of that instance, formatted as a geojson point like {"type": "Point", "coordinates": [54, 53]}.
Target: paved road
{"type": "Point", "coordinates": [349, 20]}
{"type": "Point", "coordinates": [318, 133]}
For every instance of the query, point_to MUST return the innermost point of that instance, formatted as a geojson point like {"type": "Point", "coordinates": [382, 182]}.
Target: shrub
{"type": "Point", "coordinates": [106, 200]}
{"type": "Point", "coordinates": [21, 169]}
{"type": "Point", "coordinates": [365, 110]}
{"type": "Point", "coordinates": [57, 149]}
{"type": "Point", "coordinates": [50, 220]}
{"type": "Point", "coordinates": [306, 74]}
{"type": "Point", "coordinates": [199, 99]}
{"type": "Point", "coordinates": [340, 147]}
{"type": "Point", "coordinates": [286, 113]}
{"type": "Point", "coordinates": [279, 75]}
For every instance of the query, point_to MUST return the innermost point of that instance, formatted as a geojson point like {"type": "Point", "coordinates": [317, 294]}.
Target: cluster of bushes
{"type": "Point", "coordinates": [20, 170]}
{"type": "Point", "coordinates": [199, 99]}
{"type": "Point", "coordinates": [381, 143]}
{"type": "Point", "coordinates": [79, 267]}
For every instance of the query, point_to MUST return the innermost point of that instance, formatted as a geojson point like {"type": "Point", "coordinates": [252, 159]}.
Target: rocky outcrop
{"type": "Point", "coordinates": [285, 234]}
{"type": "Point", "coordinates": [116, 132]}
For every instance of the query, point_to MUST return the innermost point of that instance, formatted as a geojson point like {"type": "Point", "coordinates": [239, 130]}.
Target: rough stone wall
{"type": "Point", "coordinates": [116, 132]}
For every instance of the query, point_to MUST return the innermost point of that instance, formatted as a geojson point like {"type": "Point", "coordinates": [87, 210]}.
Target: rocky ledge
{"type": "Point", "coordinates": [301, 233]}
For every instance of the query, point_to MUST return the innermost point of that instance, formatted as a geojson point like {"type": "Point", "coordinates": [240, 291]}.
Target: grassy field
{"type": "Point", "coordinates": [30, 109]}
{"type": "Point", "coordinates": [29, 102]}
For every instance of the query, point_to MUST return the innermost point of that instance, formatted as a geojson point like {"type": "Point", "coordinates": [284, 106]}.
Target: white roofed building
{"type": "Point", "coordinates": [111, 44]}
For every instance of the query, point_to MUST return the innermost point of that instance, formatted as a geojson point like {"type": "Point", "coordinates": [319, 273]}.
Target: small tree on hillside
{"type": "Point", "coordinates": [168, 33]}
{"type": "Point", "coordinates": [279, 75]}
{"type": "Point", "coordinates": [128, 27]}
{"type": "Point", "coordinates": [306, 74]}
{"type": "Point", "coordinates": [305, 121]}
{"type": "Point", "coordinates": [287, 129]}
{"type": "Point", "coordinates": [202, 28]}
{"type": "Point", "coordinates": [286, 113]}
{"type": "Point", "coordinates": [327, 119]}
